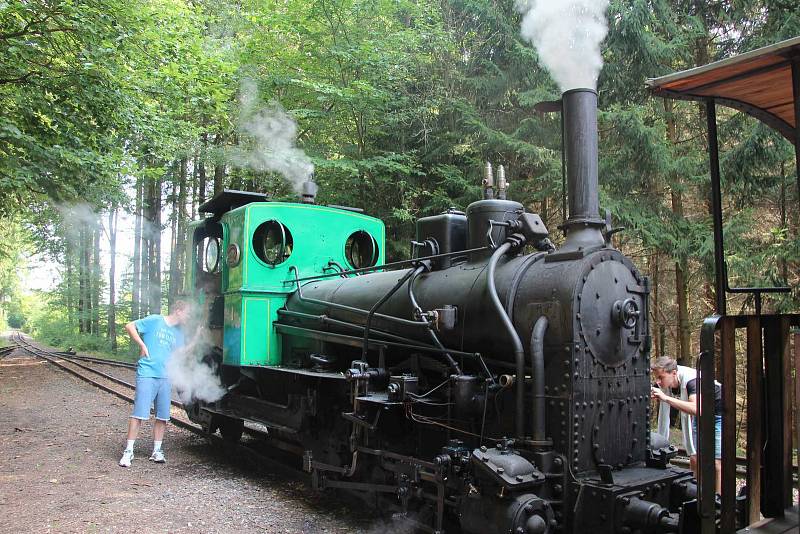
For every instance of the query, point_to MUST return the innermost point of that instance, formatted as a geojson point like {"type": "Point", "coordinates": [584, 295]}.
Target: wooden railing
{"type": "Point", "coordinates": [770, 386]}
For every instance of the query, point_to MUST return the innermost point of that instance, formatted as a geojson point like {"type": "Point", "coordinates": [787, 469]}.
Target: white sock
{"type": "Point", "coordinates": [156, 446]}
{"type": "Point", "coordinates": [129, 447]}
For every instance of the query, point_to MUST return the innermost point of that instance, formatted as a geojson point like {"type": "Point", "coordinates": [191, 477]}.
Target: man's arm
{"type": "Point", "coordinates": [689, 406]}
{"type": "Point", "coordinates": [134, 333]}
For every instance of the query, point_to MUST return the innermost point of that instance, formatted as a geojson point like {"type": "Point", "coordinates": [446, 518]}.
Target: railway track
{"type": "Point", "coordinates": [72, 364]}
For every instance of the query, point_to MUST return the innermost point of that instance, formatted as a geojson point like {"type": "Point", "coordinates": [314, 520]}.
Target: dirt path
{"type": "Point", "coordinates": [60, 440]}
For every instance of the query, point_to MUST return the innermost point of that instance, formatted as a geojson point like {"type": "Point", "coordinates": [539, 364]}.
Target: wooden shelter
{"type": "Point", "coordinates": [765, 84]}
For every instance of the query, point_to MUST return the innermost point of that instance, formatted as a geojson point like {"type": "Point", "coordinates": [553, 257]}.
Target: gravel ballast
{"type": "Point", "coordinates": [61, 438]}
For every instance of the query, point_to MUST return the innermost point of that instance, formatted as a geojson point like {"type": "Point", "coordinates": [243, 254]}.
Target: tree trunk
{"type": "Point", "coordinates": [112, 307]}
{"type": "Point", "coordinates": [173, 220]}
{"type": "Point", "coordinates": [83, 304]}
{"type": "Point", "coordinates": [180, 238]}
{"type": "Point", "coordinates": [69, 287]}
{"type": "Point", "coordinates": [96, 279]}
{"type": "Point", "coordinates": [683, 343]}
{"type": "Point", "coordinates": [154, 249]}
{"type": "Point", "coordinates": [219, 169]}
{"type": "Point", "coordinates": [655, 304]}
{"type": "Point", "coordinates": [193, 199]}
{"type": "Point", "coordinates": [201, 172]}
{"type": "Point", "coordinates": [137, 252]}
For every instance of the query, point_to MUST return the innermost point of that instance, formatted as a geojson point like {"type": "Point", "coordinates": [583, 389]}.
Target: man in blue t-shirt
{"type": "Point", "coordinates": [158, 338]}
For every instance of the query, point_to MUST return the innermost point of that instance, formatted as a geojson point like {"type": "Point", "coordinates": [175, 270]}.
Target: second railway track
{"type": "Point", "coordinates": [73, 364]}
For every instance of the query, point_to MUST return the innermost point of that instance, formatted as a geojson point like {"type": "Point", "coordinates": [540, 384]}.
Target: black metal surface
{"type": "Point", "coordinates": [580, 123]}
{"type": "Point", "coordinates": [716, 207]}
{"type": "Point", "coordinates": [774, 491]}
{"type": "Point", "coordinates": [705, 447]}
{"type": "Point", "coordinates": [449, 232]}
{"type": "Point", "coordinates": [229, 199]}
{"type": "Point", "coordinates": [538, 378]}
{"type": "Point", "coordinates": [479, 215]}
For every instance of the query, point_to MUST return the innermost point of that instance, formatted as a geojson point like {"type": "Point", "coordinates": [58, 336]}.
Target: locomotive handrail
{"type": "Point", "coordinates": [392, 265]}
{"type": "Point", "coordinates": [403, 279]}
{"type": "Point", "coordinates": [351, 309]}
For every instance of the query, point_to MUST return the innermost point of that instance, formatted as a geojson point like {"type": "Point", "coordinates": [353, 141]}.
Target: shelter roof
{"type": "Point", "coordinates": [758, 83]}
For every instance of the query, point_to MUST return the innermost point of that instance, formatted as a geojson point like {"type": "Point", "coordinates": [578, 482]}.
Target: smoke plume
{"type": "Point", "coordinates": [268, 135]}
{"type": "Point", "coordinates": [193, 377]}
{"type": "Point", "coordinates": [567, 35]}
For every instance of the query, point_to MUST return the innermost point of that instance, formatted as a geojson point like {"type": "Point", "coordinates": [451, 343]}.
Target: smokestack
{"type": "Point", "coordinates": [309, 192]}
{"type": "Point", "coordinates": [583, 227]}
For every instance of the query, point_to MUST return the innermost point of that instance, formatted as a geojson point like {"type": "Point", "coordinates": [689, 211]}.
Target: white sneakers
{"type": "Point", "coordinates": [127, 456]}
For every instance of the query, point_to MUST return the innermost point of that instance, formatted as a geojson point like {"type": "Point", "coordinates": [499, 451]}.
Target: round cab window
{"type": "Point", "coordinates": [272, 242]}
{"type": "Point", "coordinates": [361, 250]}
{"type": "Point", "coordinates": [212, 255]}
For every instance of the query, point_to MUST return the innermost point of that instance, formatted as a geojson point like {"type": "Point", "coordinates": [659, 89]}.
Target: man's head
{"type": "Point", "coordinates": [665, 372]}
{"type": "Point", "coordinates": [180, 311]}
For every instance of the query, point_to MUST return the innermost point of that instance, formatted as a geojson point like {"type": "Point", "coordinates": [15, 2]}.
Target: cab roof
{"type": "Point", "coordinates": [758, 83]}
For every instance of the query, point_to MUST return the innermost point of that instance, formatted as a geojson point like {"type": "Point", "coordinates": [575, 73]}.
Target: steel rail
{"type": "Point", "coordinates": [103, 361]}
{"type": "Point", "coordinates": [47, 355]}
{"type": "Point", "coordinates": [258, 460]}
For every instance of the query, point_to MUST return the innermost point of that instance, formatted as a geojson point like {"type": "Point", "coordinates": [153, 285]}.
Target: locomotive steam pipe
{"type": "Point", "coordinates": [519, 352]}
{"type": "Point", "coordinates": [418, 311]}
{"type": "Point", "coordinates": [403, 279]}
{"type": "Point", "coordinates": [537, 369]}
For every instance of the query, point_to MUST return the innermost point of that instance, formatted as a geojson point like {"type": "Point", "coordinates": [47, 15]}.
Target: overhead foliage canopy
{"type": "Point", "coordinates": [398, 103]}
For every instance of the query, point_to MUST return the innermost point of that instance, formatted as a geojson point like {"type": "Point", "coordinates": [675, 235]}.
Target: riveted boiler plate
{"type": "Point", "coordinates": [607, 283]}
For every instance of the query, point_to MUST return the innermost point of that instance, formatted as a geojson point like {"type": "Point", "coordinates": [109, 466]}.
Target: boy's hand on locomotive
{"type": "Point", "coordinates": [656, 393]}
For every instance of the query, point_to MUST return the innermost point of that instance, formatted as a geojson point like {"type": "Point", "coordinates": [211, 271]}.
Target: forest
{"type": "Point", "coordinates": [120, 117]}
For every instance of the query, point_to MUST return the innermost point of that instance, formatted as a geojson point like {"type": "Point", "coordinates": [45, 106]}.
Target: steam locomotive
{"type": "Point", "coordinates": [491, 384]}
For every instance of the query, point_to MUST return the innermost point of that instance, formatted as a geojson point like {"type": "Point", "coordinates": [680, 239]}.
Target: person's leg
{"type": "Point", "coordinates": [162, 402]}
{"type": "Point", "coordinates": [718, 475]}
{"type": "Point", "coordinates": [158, 430]}
{"type": "Point", "coordinates": [693, 464]}
{"type": "Point", "coordinates": [133, 427]}
{"type": "Point", "coordinates": [141, 411]}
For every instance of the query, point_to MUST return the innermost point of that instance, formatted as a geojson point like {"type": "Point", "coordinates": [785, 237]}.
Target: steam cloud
{"type": "Point", "coordinates": [192, 377]}
{"type": "Point", "coordinates": [270, 135]}
{"type": "Point", "coordinates": [567, 35]}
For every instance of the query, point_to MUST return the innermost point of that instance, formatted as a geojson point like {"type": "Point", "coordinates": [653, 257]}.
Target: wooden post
{"type": "Point", "coordinates": [797, 405]}
{"type": "Point", "coordinates": [786, 449]}
{"type": "Point", "coordinates": [755, 404]}
{"type": "Point", "coordinates": [728, 379]}
{"type": "Point", "coordinates": [774, 490]}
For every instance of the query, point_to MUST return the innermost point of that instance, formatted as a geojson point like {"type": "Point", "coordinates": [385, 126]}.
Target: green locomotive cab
{"type": "Point", "coordinates": [248, 254]}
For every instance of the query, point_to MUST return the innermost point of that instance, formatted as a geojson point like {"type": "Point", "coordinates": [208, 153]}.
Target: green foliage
{"type": "Point", "coordinates": [398, 102]}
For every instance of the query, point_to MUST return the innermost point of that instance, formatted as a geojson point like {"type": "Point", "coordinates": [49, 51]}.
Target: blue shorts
{"type": "Point", "coordinates": [717, 435]}
{"type": "Point", "coordinates": [149, 391]}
